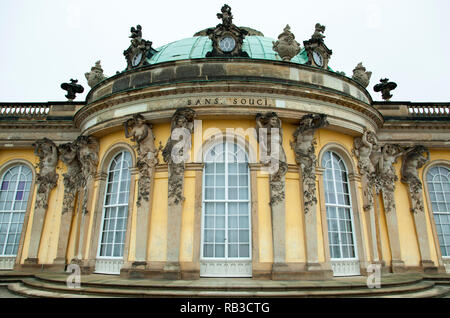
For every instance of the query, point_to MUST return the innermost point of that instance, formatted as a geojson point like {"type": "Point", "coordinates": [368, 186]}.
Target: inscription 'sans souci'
{"type": "Point", "coordinates": [229, 101]}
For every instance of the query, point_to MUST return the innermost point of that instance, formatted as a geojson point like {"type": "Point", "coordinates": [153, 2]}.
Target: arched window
{"type": "Point", "coordinates": [226, 244]}
{"type": "Point", "coordinates": [14, 193]}
{"type": "Point", "coordinates": [339, 216]}
{"type": "Point", "coordinates": [438, 181]}
{"type": "Point", "coordinates": [115, 209]}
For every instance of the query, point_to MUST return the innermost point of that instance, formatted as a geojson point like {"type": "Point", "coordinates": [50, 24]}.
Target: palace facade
{"type": "Point", "coordinates": [227, 154]}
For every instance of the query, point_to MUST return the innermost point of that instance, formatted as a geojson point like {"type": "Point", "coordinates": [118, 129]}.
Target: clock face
{"type": "Point", "coordinates": [137, 59]}
{"type": "Point", "coordinates": [317, 58]}
{"type": "Point", "coordinates": [227, 44]}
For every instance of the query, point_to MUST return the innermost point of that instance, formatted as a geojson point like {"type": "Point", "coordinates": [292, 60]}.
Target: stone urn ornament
{"type": "Point", "coordinates": [385, 87]}
{"type": "Point", "coordinates": [361, 75]}
{"type": "Point", "coordinates": [72, 88]}
{"type": "Point", "coordinates": [286, 46]}
{"type": "Point", "coordinates": [95, 76]}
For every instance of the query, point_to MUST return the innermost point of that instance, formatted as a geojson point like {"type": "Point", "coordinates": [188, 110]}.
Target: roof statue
{"type": "Point", "coordinates": [226, 15]}
{"type": "Point", "coordinates": [318, 32]}
{"type": "Point", "coordinates": [227, 38]}
{"type": "Point", "coordinates": [139, 51]}
{"type": "Point", "coordinates": [318, 53]}
{"type": "Point", "coordinates": [385, 87]}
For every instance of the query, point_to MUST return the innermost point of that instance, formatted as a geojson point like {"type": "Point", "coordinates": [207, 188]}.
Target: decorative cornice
{"type": "Point", "coordinates": [261, 88]}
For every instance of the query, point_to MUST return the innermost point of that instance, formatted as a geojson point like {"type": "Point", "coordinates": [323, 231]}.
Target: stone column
{"type": "Point", "coordinates": [175, 154]}
{"type": "Point", "coordinates": [413, 159]}
{"type": "Point", "coordinates": [46, 180]}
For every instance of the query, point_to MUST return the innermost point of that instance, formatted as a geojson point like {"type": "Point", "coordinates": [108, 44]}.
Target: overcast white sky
{"type": "Point", "coordinates": [47, 42]}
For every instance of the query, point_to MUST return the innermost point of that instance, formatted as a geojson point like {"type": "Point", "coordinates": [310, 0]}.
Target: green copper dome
{"type": "Point", "coordinates": [257, 47]}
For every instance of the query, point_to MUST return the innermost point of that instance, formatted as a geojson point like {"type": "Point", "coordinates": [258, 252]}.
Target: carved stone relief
{"type": "Point", "coordinates": [414, 159]}
{"type": "Point", "coordinates": [305, 156]}
{"type": "Point", "coordinates": [177, 150]}
{"type": "Point", "coordinates": [286, 46]}
{"type": "Point", "coordinates": [47, 177]}
{"type": "Point", "coordinates": [73, 178]}
{"type": "Point", "coordinates": [140, 132]}
{"type": "Point", "coordinates": [271, 137]}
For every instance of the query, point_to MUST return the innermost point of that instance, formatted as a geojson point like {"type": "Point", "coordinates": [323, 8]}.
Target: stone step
{"type": "Point", "coordinates": [105, 281]}
{"type": "Point", "coordinates": [435, 292]}
{"type": "Point", "coordinates": [38, 285]}
{"type": "Point", "coordinates": [22, 290]}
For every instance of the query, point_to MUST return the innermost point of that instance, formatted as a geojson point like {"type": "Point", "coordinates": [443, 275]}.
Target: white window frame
{"type": "Point", "coordinates": [444, 257]}
{"type": "Point", "coordinates": [337, 205]}
{"type": "Point", "coordinates": [105, 206]}
{"type": "Point", "coordinates": [12, 211]}
{"type": "Point", "coordinates": [204, 200]}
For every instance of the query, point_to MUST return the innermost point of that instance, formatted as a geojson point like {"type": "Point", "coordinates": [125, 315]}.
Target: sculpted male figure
{"type": "Point", "coordinates": [305, 154]}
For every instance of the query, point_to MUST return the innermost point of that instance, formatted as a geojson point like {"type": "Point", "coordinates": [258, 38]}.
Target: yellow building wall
{"type": "Point", "coordinates": [187, 221]}
{"type": "Point", "coordinates": [383, 232]}
{"type": "Point", "coordinates": [264, 219]}
{"type": "Point", "coordinates": [157, 246]}
{"type": "Point", "coordinates": [406, 228]}
{"type": "Point", "coordinates": [295, 238]}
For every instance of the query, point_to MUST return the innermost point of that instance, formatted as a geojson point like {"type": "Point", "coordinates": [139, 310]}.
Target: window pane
{"type": "Point", "coordinates": [338, 201]}
{"type": "Point", "coordinates": [438, 181]}
{"type": "Point", "coordinates": [227, 182]}
{"type": "Point", "coordinates": [114, 221]}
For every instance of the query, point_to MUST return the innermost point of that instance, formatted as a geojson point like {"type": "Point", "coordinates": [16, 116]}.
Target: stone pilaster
{"type": "Point", "coordinates": [414, 159]}
{"type": "Point", "coordinates": [182, 126]}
